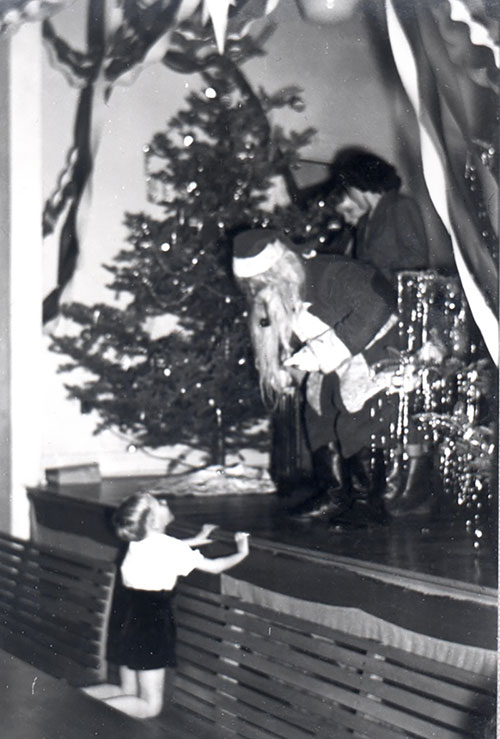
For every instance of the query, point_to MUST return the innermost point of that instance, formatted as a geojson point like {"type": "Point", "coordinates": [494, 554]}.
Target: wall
{"type": "Point", "coordinates": [348, 100]}
{"type": "Point", "coordinates": [21, 274]}
{"type": "Point", "coordinates": [5, 430]}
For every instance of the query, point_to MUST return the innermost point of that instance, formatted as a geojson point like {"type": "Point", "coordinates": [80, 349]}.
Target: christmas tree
{"type": "Point", "coordinates": [175, 365]}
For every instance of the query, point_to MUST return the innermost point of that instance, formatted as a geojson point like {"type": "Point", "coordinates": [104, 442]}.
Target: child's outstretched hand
{"type": "Point", "coordinates": [242, 544]}
{"type": "Point", "coordinates": [203, 537]}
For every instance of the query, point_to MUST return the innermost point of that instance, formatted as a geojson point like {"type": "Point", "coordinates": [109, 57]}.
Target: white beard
{"type": "Point", "coordinates": [271, 332]}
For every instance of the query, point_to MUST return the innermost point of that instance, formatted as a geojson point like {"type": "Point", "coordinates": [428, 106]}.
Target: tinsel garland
{"type": "Point", "coordinates": [452, 403]}
{"type": "Point", "coordinates": [467, 459]}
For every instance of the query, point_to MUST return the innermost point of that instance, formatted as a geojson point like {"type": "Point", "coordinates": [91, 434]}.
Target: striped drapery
{"type": "Point", "coordinates": [428, 65]}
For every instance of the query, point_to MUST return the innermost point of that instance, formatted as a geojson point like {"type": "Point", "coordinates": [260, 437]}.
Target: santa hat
{"type": "Point", "coordinates": [256, 251]}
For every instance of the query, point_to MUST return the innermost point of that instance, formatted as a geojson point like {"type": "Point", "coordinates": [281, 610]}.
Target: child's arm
{"type": "Point", "coordinates": [202, 537]}
{"type": "Point", "coordinates": [221, 564]}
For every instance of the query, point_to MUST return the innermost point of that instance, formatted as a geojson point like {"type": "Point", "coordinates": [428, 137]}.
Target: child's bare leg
{"type": "Point", "coordinates": [128, 686]}
{"type": "Point", "coordinates": [149, 702]}
{"type": "Point", "coordinates": [129, 681]}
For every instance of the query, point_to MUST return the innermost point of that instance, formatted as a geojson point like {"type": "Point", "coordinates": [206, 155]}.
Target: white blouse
{"type": "Point", "coordinates": [155, 563]}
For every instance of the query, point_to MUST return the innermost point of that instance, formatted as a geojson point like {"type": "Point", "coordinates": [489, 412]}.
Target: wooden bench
{"type": "Point", "coordinates": [256, 673]}
{"type": "Point", "coordinates": [54, 609]}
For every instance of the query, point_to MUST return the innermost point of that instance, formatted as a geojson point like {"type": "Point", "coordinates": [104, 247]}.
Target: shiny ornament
{"type": "Point", "coordinates": [327, 11]}
{"type": "Point", "coordinates": [297, 104]}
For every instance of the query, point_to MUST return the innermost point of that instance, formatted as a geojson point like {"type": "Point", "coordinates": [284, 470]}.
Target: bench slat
{"type": "Point", "coordinates": [298, 697]}
{"type": "Point", "coordinates": [54, 609]}
{"type": "Point", "coordinates": [190, 654]}
{"type": "Point", "coordinates": [394, 716]}
{"type": "Point", "coordinates": [328, 649]}
{"type": "Point", "coordinates": [356, 679]}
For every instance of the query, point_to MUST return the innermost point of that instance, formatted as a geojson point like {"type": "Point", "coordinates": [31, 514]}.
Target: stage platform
{"type": "Point", "coordinates": [426, 574]}
{"type": "Point", "coordinates": [438, 547]}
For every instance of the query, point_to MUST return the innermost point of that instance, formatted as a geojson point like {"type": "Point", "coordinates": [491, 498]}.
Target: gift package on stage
{"type": "Point", "coordinates": [77, 474]}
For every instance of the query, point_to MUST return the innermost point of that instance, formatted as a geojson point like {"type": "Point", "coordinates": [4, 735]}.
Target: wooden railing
{"type": "Point", "coordinates": [54, 609]}
{"type": "Point", "coordinates": [256, 673]}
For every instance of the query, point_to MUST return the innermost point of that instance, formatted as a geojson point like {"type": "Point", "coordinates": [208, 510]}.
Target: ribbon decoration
{"type": "Point", "coordinates": [476, 267]}
{"type": "Point", "coordinates": [73, 198]}
{"type": "Point", "coordinates": [13, 13]}
{"type": "Point", "coordinates": [157, 48]}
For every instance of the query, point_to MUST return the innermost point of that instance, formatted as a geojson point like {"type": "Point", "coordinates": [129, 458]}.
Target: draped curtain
{"type": "Point", "coordinates": [448, 64]}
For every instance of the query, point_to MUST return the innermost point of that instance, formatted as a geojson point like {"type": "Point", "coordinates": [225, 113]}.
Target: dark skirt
{"type": "Point", "coordinates": [142, 629]}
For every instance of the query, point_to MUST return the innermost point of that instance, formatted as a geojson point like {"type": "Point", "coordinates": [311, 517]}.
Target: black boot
{"type": "Point", "coordinates": [415, 488]}
{"type": "Point", "coordinates": [332, 497]}
{"type": "Point", "coordinates": [367, 472]}
{"type": "Point", "coordinates": [395, 480]}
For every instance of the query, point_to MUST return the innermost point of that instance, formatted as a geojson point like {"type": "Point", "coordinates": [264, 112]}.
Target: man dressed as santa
{"type": "Point", "coordinates": [328, 324]}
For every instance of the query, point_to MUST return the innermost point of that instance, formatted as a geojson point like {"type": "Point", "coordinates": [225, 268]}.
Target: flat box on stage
{"type": "Point", "coordinates": [78, 474]}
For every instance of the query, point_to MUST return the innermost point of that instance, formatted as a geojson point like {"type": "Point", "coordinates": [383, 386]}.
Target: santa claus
{"type": "Point", "coordinates": [327, 324]}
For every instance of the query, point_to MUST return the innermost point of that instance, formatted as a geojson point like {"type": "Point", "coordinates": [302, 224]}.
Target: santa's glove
{"type": "Point", "coordinates": [304, 360]}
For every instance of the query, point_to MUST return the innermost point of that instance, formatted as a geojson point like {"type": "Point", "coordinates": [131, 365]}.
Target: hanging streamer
{"type": "Point", "coordinates": [479, 34]}
{"type": "Point", "coordinates": [75, 66]}
{"type": "Point", "coordinates": [219, 11]}
{"type": "Point", "coordinates": [86, 136]}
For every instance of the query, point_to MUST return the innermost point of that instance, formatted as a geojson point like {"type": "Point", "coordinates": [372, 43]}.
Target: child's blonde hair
{"type": "Point", "coordinates": [133, 518]}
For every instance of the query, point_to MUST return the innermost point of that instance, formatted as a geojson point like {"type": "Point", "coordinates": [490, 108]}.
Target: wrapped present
{"type": "Point", "coordinates": [78, 474]}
